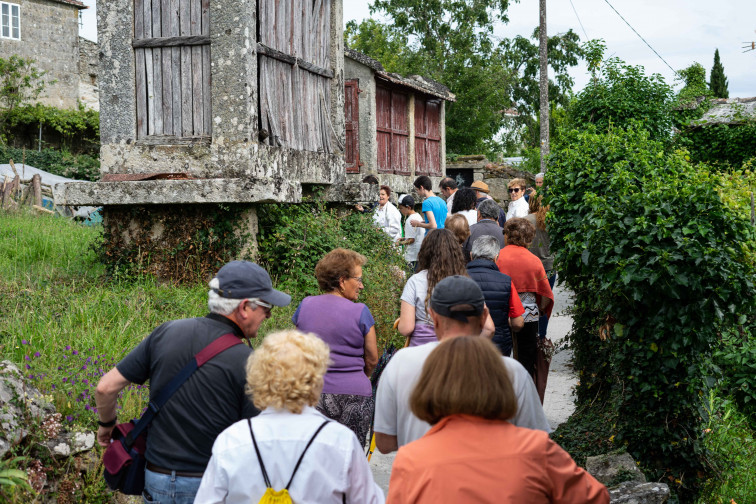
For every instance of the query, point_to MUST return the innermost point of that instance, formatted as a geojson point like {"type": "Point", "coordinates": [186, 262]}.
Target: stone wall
{"type": "Point", "coordinates": [50, 36]}
{"type": "Point", "coordinates": [89, 68]}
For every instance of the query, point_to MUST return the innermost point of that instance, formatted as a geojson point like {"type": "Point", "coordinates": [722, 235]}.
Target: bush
{"type": "Point", "coordinates": [63, 163]}
{"type": "Point", "coordinates": [660, 266]}
{"type": "Point", "coordinates": [293, 238]}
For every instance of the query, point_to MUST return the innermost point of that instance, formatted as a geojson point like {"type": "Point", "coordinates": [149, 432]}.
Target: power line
{"type": "Point", "coordinates": [578, 18]}
{"type": "Point", "coordinates": [639, 35]}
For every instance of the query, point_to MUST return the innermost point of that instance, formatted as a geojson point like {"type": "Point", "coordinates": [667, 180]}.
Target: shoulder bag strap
{"type": "Point", "coordinates": [259, 457]}
{"type": "Point", "coordinates": [303, 453]}
{"type": "Point", "coordinates": [217, 346]}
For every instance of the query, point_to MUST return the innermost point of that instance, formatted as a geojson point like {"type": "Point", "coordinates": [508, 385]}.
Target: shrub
{"type": "Point", "coordinates": [659, 266]}
{"type": "Point", "coordinates": [63, 163]}
{"type": "Point", "coordinates": [293, 238]}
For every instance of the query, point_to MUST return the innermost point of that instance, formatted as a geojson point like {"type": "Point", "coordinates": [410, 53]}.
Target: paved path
{"type": "Point", "coordinates": [558, 402]}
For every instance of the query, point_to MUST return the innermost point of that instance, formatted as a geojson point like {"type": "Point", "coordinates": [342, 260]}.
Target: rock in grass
{"type": "Point", "coordinates": [633, 492]}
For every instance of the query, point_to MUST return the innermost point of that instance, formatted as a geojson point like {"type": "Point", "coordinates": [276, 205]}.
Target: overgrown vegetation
{"type": "Point", "coordinates": [20, 81]}
{"type": "Point", "coordinates": [57, 162]}
{"type": "Point", "coordinates": [660, 255]}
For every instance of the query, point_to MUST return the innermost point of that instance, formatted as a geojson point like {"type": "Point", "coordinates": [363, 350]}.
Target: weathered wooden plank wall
{"type": "Point", "coordinates": [352, 126]}
{"type": "Point", "coordinates": [427, 136]}
{"type": "Point", "coordinates": [392, 131]}
{"type": "Point", "coordinates": [172, 56]}
{"type": "Point", "coordinates": [294, 77]}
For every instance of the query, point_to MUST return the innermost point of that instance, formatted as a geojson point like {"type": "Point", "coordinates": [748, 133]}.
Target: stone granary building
{"type": "Point", "coordinates": [395, 126]}
{"type": "Point", "coordinates": [208, 104]}
{"type": "Point", "coordinates": [46, 31]}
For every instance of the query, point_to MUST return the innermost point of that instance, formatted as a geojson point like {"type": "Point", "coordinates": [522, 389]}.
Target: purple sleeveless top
{"type": "Point", "coordinates": [343, 325]}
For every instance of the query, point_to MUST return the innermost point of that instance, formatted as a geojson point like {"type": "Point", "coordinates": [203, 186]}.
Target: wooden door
{"type": "Point", "coordinates": [427, 136]}
{"type": "Point", "coordinates": [392, 131]}
{"type": "Point", "coordinates": [172, 62]}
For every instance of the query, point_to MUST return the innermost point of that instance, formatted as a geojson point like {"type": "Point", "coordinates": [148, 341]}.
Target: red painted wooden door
{"type": "Point", "coordinates": [392, 131]}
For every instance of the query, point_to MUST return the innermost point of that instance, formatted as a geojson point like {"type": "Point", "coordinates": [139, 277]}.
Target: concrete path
{"type": "Point", "coordinates": [558, 403]}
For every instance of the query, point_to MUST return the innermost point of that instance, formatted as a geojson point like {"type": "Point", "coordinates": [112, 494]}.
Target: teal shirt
{"type": "Point", "coordinates": [438, 207]}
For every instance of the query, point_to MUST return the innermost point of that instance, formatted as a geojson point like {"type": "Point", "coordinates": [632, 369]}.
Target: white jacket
{"type": "Point", "coordinates": [389, 219]}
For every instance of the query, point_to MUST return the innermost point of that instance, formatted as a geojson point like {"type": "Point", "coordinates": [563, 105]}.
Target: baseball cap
{"type": "Point", "coordinates": [244, 279]}
{"type": "Point", "coordinates": [407, 201]}
{"type": "Point", "coordinates": [457, 297]}
{"type": "Point", "coordinates": [481, 186]}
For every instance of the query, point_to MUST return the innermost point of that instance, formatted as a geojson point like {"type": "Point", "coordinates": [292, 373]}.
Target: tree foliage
{"type": "Point", "coordinates": [660, 267]}
{"type": "Point", "coordinates": [718, 82]}
{"type": "Point", "coordinates": [20, 81]}
{"type": "Point", "coordinates": [452, 42]}
{"type": "Point", "coordinates": [623, 94]}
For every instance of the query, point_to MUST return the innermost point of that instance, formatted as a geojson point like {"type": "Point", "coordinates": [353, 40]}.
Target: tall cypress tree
{"type": "Point", "coordinates": [718, 83]}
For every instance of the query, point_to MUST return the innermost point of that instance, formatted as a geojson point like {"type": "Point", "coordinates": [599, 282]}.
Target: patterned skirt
{"type": "Point", "coordinates": [354, 411]}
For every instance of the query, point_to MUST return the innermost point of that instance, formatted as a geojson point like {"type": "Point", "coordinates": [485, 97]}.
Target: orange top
{"type": "Point", "coordinates": [465, 459]}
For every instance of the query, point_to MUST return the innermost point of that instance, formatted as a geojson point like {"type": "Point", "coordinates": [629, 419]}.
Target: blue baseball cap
{"type": "Point", "coordinates": [244, 279]}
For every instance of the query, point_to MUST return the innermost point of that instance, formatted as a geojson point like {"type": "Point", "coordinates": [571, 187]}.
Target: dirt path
{"type": "Point", "coordinates": [558, 402]}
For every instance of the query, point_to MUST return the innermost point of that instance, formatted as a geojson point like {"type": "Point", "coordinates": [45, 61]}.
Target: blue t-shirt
{"type": "Point", "coordinates": [438, 207]}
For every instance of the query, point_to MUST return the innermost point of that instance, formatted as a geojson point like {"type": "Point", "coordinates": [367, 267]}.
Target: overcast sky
{"type": "Point", "coordinates": [681, 31]}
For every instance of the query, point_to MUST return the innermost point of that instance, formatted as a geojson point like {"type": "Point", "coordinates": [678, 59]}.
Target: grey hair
{"type": "Point", "coordinates": [220, 305]}
{"type": "Point", "coordinates": [489, 209]}
{"type": "Point", "coordinates": [539, 175]}
{"type": "Point", "coordinates": [485, 247]}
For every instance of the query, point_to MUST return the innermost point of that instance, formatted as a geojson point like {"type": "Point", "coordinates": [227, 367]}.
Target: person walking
{"type": "Point", "coordinates": [413, 236]}
{"type": "Point", "coordinates": [181, 436]}
{"type": "Point", "coordinates": [434, 208]}
{"type": "Point", "coordinates": [487, 225]}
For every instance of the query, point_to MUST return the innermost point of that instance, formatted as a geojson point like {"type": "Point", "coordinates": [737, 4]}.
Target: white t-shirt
{"type": "Point", "coordinates": [518, 208]}
{"type": "Point", "coordinates": [449, 203]}
{"type": "Point", "coordinates": [470, 215]}
{"type": "Point", "coordinates": [392, 411]}
{"type": "Point", "coordinates": [414, 293]}
{"type": "Point", "coordinates": [333, 467]}
{"type": "Point", "coordinates": [389, 219]}
{"type": "Point", "coordinates": [418, 233]}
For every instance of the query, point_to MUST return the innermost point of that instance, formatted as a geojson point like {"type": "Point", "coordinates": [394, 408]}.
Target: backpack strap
{"type": "Point", "coordinates": [296, 467]}
{"type": "Point", "coordinates": [217, 346]}
{"type": "Point", "coordinates": [259, 457]}
{"type": "Point", "coordinates": [305, 451]}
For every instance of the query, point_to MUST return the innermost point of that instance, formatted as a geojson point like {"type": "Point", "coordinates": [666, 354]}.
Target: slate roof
{"type": "Point", "coordinates": [732, 111]}
{"type": "Point", "coordinates": [416, 82]}
{"type": "Point", "coordinates": [75, 3]}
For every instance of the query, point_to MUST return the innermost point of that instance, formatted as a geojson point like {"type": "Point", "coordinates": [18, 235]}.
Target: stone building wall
{"type": "Point", "coordinates": [89, 68]}
{"type": "Point", "coordinates": [50, 36]}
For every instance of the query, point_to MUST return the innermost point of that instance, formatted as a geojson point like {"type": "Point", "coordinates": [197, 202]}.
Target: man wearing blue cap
{"type": "Point", "coordinates": [181, 436]}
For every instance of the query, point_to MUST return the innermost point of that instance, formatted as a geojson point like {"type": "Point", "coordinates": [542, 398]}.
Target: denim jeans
{"type": "Point", "coordinates": [169, 488]}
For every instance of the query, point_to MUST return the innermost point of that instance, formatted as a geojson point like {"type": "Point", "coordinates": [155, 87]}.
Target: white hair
{"type": "Point", "coordinates": [485, 247]}
{"type": "Point", "coordinates": [539, 175]}
{"type": "Point", "coordinates": [218, 304]}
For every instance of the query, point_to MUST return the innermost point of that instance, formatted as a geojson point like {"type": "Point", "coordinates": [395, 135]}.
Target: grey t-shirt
{"type": "Point", "coordinates": [182, 434]}
{"type": "Point", "coordinates": [414, 293]}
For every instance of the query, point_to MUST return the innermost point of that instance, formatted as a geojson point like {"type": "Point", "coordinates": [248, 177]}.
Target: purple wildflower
{"type": "Point", "coordinates": [36, 354]}
{"type": "Point", "coordinates": [28, 366]}
{"type": "Point", "coordinates": [75, 352]}
{"type": "Point", "coordinates": [27, 357]}
{"type": "Point", "coordinates": [24, 342]}
{"type": "Point", "coordinates": [68, 347]}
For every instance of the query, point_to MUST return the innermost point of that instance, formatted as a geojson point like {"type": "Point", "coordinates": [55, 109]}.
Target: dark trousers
{"type": "Point", "coordinates": [543, 321]}
{"type": "Point", "coordinates": [525, 346]}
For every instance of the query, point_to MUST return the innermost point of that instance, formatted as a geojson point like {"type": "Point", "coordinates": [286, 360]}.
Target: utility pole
{"type": "Point", "coordinates": [544, 85]}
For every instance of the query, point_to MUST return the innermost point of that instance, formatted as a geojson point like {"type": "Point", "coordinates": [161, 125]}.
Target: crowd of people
{"type": "Point", "coordinates": [290, 422]}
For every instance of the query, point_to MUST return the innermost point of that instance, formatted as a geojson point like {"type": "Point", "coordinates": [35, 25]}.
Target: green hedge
{"type": "Point", "coordinates": [660, 267]}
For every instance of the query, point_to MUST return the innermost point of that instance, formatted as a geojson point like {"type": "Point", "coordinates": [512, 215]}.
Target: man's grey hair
{"type": "Point", "coordinates": [485, 247]}
{"type": "Point", "coordinates": [539, 175]}
{"type": "Point", "coordinates": [489, 209]}
{"type": "Point", "coordinates": [220, 305]}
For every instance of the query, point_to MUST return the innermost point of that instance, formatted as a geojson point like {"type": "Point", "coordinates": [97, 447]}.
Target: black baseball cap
{"type": "Point", "coordinates": [244, 279]}
{"type": "Point", "coordinates": [408, 201]}
{"type": "Point", "coordinates": [457, 297]}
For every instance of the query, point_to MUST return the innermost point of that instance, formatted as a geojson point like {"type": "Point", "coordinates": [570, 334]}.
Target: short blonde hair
{"type": "Point", "coordinates": [458, 225]}
{"type": "Point", "coordinates": [287, 370]}
{"type": "Point", "coordinates": [464, 375]}
{"type": "Point", "coordinates": [518, 182]}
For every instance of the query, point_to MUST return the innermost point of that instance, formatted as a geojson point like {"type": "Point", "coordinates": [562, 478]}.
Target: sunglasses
{"type": "Point", "coordinates": [514, 190]}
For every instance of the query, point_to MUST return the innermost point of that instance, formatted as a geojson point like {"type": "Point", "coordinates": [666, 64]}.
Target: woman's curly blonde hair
{"type": "Point", "coordinates": [287, 370]}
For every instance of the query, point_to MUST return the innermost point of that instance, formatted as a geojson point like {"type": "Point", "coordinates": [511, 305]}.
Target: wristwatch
{"type": "Point", "coordinates": [106, 424]}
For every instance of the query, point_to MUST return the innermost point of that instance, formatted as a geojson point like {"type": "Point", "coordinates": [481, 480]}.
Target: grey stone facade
{"type": "Point", "coordinates": [50, 35]}
{"type": "Point", "coordinates": [89, 68]}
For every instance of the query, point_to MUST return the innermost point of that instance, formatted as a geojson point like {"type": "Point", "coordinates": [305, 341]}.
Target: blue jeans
{"type": "Point", "coordinates": [543, 322]}
{"type": "Point", "coordinates": [169, 488]}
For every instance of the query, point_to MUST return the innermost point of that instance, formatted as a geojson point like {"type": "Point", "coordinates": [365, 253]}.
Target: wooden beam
{"type": "Point", "coordinates": [192, 40]}
{"type": "Point", "coordinates": [293, 60]}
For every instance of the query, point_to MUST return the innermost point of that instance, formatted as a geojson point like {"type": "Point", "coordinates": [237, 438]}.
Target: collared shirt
{"type": "Point", "coordinates": [333, 468]}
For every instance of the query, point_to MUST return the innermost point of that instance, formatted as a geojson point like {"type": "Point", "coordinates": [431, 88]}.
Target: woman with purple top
{"type": "Point", "coordinates": [440, 256]}
{"type": "Point", "coordinates": [349, 330]}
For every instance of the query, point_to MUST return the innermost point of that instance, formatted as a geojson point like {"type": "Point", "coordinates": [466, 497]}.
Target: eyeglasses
{"type": "Point", "coordinates": [262, 304]}
{"type": "Point", "coordinates": [359, 279]}
{"type": "Point", "coordinates": [514, 189]}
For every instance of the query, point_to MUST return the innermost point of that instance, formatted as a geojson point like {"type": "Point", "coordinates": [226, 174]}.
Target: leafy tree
{"type": "Point", "coordinates": [718, 83]}
{"type": "Point", "coordinates": [20, 81]}
{"type": "Point", "coordinates": [623, 95]}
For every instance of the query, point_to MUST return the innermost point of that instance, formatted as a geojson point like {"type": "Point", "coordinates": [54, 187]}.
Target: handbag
{"type": "Point", "coordinates": [124, 460]}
